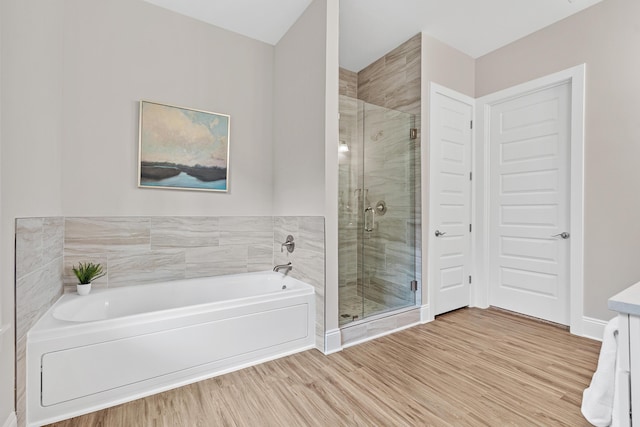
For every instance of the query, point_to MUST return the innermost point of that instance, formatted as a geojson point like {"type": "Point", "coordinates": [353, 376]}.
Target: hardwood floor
{"type": "Point", "coordinates": [470, 367]}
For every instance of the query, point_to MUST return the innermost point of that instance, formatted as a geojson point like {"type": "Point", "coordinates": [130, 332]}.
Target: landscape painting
{"type": "Point", "coordinates": [182, 148]}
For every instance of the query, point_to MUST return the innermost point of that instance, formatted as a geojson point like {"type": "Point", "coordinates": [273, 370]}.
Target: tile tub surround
{"type": "Point", "coordinates": [139, 250]}
{"type": "Point", "coordinates": [38, 267]}
{"type": "Point", "coordinates": [307, 259]}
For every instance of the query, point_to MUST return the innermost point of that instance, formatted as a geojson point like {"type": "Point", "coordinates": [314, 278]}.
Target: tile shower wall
{"type": "Point", "coordinates": [393, 82]}
{"type": "Point", "coordinates": [388, 262]}
{"type": "Point", "coordinates": [348, 83]}
{"type": "Point", "coordinates": [39, 254]}
{"type": "Point", "coordinates": [139, 250]}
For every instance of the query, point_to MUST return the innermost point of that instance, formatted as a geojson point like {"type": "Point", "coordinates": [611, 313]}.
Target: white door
{"type": "Point", "coordinates": [529, 208]}
{"type": "Point", "coordinates": [450, 200]}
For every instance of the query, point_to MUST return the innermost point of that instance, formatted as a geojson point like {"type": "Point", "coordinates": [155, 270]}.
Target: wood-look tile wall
{"type": "Point", "coordinates": [307, 259]}
{"type": "Point", "coordinates": [348, 83]}
{"type": "Point", "coordinates": [392, 82]}
{"type": "Point", "coordinates": [39, 255]}
{"type": "Point", "coordinates": [140, 250]}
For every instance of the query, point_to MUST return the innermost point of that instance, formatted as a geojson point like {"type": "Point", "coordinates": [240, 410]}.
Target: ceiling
{"type": "Point", "coordinates": [371, 28]}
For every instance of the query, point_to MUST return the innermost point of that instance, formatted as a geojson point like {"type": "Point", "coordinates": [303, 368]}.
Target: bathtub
{"type": "Point", "coordinates": [116, 345]}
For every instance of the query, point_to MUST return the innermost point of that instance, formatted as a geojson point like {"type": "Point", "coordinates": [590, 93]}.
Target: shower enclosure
{"type": "Point", "coordinates": [377, 210]}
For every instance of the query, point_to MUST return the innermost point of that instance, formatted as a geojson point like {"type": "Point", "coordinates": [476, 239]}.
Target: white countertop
{"type": "Point", "coordinates": [627, 301]}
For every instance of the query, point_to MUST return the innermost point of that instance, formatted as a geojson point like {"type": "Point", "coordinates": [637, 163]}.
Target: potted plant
{"type": "Point", "coordinates": [86, 273]}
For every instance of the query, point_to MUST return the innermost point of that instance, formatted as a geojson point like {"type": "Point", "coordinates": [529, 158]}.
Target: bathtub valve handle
{"type": "Point", "coordinates": [289, 244]}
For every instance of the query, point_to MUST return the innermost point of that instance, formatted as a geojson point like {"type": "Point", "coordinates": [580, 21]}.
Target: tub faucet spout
{"type": "Point", "coordinates": [286, 266]}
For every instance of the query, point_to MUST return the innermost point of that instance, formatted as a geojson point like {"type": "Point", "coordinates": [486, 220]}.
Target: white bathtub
{"type": "Point", "coordinates": [117, 345]}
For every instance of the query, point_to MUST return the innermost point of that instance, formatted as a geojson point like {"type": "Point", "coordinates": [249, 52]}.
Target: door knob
{"type": "Point", "coordinates": [564, 235]}
{"type": "Point", "coordinates": [440, 233]}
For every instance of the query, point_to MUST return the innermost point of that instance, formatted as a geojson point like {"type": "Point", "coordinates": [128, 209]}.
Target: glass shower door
{"type": "Point", "coordinates": [377, 220]}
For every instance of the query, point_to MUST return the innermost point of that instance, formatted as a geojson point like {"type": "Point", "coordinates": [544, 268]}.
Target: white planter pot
{"type": "Point", "coordinates": [83, 289]}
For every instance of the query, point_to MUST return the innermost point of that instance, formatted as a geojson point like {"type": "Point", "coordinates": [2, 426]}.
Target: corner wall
{"type": "Point", "coordinates": [305, 148]}
{"type": "Point", "coordinates": [31, 134]}
{"type": "Point", "coordinates": [605, 37]}
{"type": "Point", "coordinates": [299, 108]}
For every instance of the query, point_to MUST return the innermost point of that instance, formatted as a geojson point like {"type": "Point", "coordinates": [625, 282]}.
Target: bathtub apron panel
{"type": "Point", "coordinates": [83, 371]}
{"type": "Point", "coordinates": [82, 359]}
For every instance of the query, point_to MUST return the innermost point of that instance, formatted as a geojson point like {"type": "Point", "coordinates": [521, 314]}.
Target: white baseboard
{"type": "Point", "coordinates": [425, 314]}
{"type": "Point", "coordinates": [12, 421]}
{"type": "Point", "coordinates": [332, 341]}
{"type": "Point", "coordinates": [593, 328]}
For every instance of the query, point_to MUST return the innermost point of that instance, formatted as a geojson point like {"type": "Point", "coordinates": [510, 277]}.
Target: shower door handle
{"type": "Point", "coordinates": [369, 225]}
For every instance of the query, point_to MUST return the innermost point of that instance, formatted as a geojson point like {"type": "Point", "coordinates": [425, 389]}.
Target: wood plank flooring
{"type": "Point", "coordinates": [470, 367]}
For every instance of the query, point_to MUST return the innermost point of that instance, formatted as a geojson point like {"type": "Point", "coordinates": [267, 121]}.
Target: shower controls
{"type": "Point", "coordinates": [440, 233]}
{"type": "Point", "coordinates": [289, 244]}
{"type": "Point", "coordinates": [381, 208]}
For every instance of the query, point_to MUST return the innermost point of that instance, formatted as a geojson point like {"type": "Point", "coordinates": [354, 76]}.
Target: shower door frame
{"type": "Point", "coordinates": [411, 219]}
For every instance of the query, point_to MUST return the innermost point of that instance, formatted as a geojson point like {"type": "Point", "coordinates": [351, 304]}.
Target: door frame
{"type": "Point", "coordinates": [575, 77]}
{"type": "Point", "coordinates": [436, 90]}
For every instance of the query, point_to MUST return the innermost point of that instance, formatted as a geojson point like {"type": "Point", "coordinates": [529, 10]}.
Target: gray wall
{"type": "Point", "coordinates": [31, 86]}
{"type": "Point", "coordinates": [605, 37]}
{"type": "Point", "coordinates": [119, 52]}
{"type": "Point", "coordinates": [299, 110]}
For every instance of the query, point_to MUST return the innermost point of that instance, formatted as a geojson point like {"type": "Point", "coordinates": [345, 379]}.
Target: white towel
{"type": "Point", "coordinates": [598, 399]}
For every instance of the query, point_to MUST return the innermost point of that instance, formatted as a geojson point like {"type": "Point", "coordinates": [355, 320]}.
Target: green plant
{"type": "Point", "coordinates": [87, 272]}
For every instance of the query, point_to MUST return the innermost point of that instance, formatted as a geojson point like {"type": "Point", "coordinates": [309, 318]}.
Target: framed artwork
{"type": "Point", "coordinates": [182, 148]}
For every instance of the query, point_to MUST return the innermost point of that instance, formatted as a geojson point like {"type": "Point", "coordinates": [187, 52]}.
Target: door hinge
{"type": "Point", "coordinates": [413, 133]}
{"type": "Point", "coordinates": [469, 279]}
{"type": "Point", "coordinates": [470, 176]}
{"type": "Point", "coordinates": [469, 228]}
{"type": "Point", "coordinates": [471, 124]}
{"type": "Point", "coordinates": [414, 285]}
